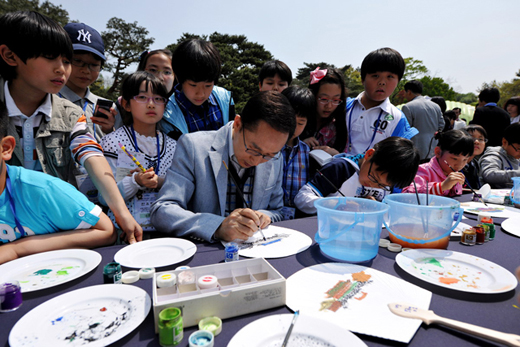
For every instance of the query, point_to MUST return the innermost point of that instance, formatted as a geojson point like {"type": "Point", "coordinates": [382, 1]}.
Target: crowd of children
{"type": "Point", "coordinates": [55, 136]}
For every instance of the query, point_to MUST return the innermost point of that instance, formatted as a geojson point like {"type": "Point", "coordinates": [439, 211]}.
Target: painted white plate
{"type": "Point", "coordinates": [155, 252]}
{"type": "Point", "coordinates": [496, 211]}
{"type": "Point", "coordinates": [457, 271]}
{"type": "Point", "coordinates": [512, 226]}
{"type": "Point", "coordinates": [49, 269]}
{"type": "Point", "coordinates": [97, 316]}
{"type": "Point", "coordinates": [307, 332]}
{"type": "Point", "coordinates": [280, 242]}
{"type": "Point", "coordinates": [356, 298]}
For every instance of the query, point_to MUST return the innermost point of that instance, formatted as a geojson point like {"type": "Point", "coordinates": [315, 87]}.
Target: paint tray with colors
{"type": "Point", "coordinates": [243, 287]}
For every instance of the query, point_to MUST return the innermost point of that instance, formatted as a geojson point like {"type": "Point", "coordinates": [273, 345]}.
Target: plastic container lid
{"type": "Point", "coordinates": [207, 282]}
{"type": "Point", "coordinates": [211, 324]}
{"type": "Point", "coordinates": [166, 279]}
{"type": "Point", "coordinates": [183, 267]}
{"type": "Point", "coordinates": [186, 277]}
{"type": "Point", "coordinates": [130, 277]}
{"type": "Point", "coordinates": [201, 338]}
{"type": "Point", "coordinates": [394, 247]}
{"type": "Point", "coordinates": [384, 243]}
{"type": "Point", "coordinates": [146, 273]}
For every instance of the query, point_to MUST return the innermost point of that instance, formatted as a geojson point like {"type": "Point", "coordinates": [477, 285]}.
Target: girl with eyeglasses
{"type": "Point", "coordinates": [144, 98]}
{"type": "Point", "coordinates": [159, 63]}
{"type": "Point", "coordinates": [329, 130]}
{"type": "Point", "coordinates": [471, 170]}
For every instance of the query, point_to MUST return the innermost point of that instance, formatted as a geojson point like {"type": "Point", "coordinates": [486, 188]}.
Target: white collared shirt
{"type": "Point", "coordinates": [28, 125]}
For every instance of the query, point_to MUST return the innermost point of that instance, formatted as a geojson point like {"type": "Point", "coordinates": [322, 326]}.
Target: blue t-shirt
{"type": "Point", "coordinates": [44, 204]}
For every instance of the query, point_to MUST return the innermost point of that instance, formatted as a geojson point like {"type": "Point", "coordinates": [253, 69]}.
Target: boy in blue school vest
{"type": "Point", "coordinates": [197, 103]}
{"type": "Point", "coordinates": [40, 213]}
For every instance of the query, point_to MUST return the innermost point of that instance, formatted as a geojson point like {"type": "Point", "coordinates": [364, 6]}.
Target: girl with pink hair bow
{"type": "Point", "coordinates": [329, 130]}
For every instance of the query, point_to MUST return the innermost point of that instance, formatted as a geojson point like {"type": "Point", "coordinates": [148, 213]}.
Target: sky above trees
{"type": "Point", "coordinates": [465, 42]}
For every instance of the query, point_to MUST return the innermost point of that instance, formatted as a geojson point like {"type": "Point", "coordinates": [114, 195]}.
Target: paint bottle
{"type": "Point", "coordinates": [207, 282]}
{"type": "Point", "coordinates": [112, 273]}
{"type": "Point", "coordinates": [481, 234]}
{"type": "Point", "coordinates": [231, 252]}
{"type": "Point", "coordinates": [469, 237]}
{"type": "Point", "coordinates": [491, 231]}
{"type": "Point", "coordinates": [170, 327]}
{"type": "Point", "coordinates": [10, 296]}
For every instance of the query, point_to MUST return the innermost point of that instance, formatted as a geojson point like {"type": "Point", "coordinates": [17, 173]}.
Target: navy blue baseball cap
{"type": "Point", "coordinates": [86, 38]}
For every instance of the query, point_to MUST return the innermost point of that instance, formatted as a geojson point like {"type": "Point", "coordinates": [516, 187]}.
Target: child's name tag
{"type": "Point", "coordinates": [125, 164]}
{"type": "Point", "coordinates": [141, 209]}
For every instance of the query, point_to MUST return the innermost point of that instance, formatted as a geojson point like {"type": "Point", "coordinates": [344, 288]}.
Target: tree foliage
{"type": "Point", "coordinates": [58, 13]}
{"type": "Point", "coordinates": [241, 63]}
{"type": "Point", "coordinates": [124, 42]}
{"type": "Point", "coordinates": [435, 86]}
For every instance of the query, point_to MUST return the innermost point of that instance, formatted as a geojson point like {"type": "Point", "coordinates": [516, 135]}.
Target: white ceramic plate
{"type": "Point", "coordinates": [97, 316]}
{"type": "Point", "coordinates": [457, 271]}
{"type": "Point", "coordinates": [307, 332]}
{"type": "Point", "coordinates": [49, 269]}
{"type": "Point", "coordinates": [512, 226]}
{"type": "Point", "coordinates": [356, 298]}
{"type": "Point", "coordinates": [155, 252]}
{"type": "Point", "coordinates": [496, 211]}
{"type": "Point", "coordinates": [280, 242]}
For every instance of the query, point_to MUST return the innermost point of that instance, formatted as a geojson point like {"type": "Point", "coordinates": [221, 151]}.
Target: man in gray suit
{"type": "Point", "coordinates": [200, 198]}
{"type": "Point", "coordinates": [424, 115]}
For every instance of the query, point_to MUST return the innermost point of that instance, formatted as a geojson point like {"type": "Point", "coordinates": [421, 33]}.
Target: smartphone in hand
{"type": "Point", "coordinates": [104, 104]}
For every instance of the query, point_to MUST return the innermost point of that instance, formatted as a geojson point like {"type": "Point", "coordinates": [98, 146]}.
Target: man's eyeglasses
{"type": "Point", "coordinates": [256, 153]}
{"type": "Point", "coordinates": [325, 101]}
{"type": "Point", "coordinates": [158, 72]}
{"type": "Point", "coordinates": [516, 149]}
{"type": "Point", "coordinates": [374, 180]}
{"type": "Point", "coordinates": [81, 63]}
{"type": "Point", "coordinates": [143, 99]}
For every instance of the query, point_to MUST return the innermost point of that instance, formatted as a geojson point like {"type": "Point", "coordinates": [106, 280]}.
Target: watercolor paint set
{"type": "Point", "coordinates": [242, 287]}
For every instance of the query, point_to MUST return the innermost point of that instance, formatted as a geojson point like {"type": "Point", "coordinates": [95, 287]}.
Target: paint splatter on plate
{"type": "Point", "coordinates": [49, 269]}
{"type": "Point", "coordinates": [496, 211]}
{"type": "Point", "coordinates": [457, 271]}
{"type": "Point", "coordinates": [93, 316]}
{"type": "Point", "coordinates": [307, 332]}
{"type": "Point", "coordinates": [280, 242]}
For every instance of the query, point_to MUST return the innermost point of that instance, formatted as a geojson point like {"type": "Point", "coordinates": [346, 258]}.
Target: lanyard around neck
{"type": "Point", "coordinates": [158, 149]}
{"type": "Point", "coordinates": [10, 196]}
{"type": "Point", "coordinates": [350, 127]}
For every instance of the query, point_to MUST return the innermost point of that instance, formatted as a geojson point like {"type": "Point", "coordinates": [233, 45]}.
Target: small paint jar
{"type": "Point", "coordinates": [166, 280]}
{"type": "Point", "coordinates": [146, 273]}
{"type": "Point", "coordinates": [481, 234]}
{"type": "Point", "coordinates": [170, 327]}
{"type": "Point", "coordinates": [492, 230]}
{"type": "Point", "coordinates": [469, 237]}
{"type": "Point", "coordinates": [186, 277]}
{"type": "Point", "coordinates": [201, 338]}
{"type": "Point", "coordinates": [112, 273]}
{"type": "Point", "coordinates": [207, 282]}
{"type": "Point", "coordinates": [10, 296]}
{"type": "Point", "coordinates": [231, 252]}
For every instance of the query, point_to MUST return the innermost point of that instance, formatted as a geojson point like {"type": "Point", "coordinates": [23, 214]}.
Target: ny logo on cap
{"type": "Point", "coordinates": [85, 35]}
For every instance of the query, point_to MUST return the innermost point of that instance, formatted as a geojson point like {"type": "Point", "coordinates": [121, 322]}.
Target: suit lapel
{"type": "Point", "coordinates": [218, 152]}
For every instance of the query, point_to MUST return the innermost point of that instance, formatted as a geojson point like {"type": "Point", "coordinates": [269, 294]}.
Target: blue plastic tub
{"type": "Point", "coordinates": [349, 228]}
